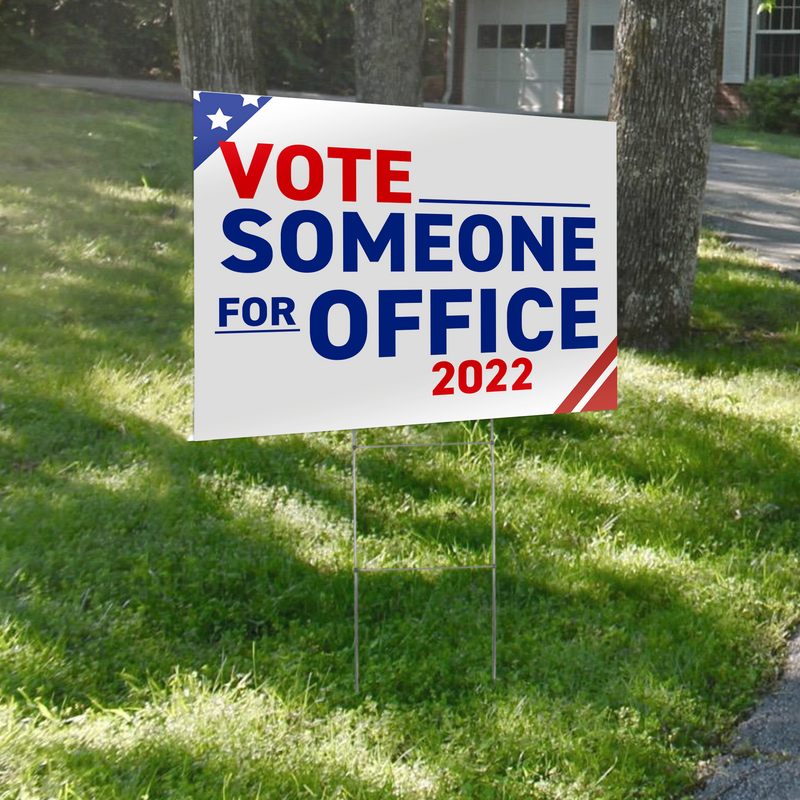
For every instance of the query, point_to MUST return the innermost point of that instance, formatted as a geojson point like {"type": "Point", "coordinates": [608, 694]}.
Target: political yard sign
{"type": "Point", "coordinates": [361, 265]}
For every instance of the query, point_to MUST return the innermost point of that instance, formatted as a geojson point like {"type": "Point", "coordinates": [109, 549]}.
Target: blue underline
{"type": "Point", "coordinates": [507, 203]}
{"type": "Point", "coordinates": [265, 330]}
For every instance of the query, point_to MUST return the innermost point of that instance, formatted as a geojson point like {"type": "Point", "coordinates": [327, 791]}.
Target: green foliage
{"type": "Point", "coordinates": [105, 37]}
{"type": "Point", "coordinates": [434, 58]}
{"type": "Point", "coordinates": [774, 103]}
{"type": "Point", "coordinates": [307, 45]}
{"type": "Point", "coordinates": [176, 617]}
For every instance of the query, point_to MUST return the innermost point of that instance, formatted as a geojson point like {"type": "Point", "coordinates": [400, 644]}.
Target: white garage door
{"type": "Point", "coordinates": [596, 56]}
{"type": "Point", "coordinates": [514, 55]}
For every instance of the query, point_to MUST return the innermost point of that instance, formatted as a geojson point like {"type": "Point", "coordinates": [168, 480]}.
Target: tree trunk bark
{"type": "Point", "coordinates": [217, 45]}
{"type": "Point", "coordinates": [389, 35]}
{"type": "Point", "coordinates": [664, 85]}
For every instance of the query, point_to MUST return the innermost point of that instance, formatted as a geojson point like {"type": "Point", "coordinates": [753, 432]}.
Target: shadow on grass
{"type": "Point", "coordinates": [130, 560]}
{"type": "Point", "coordinates": [744, 318]}
{"type": "Point", "coordinates": [126, 554]}
{"type": "Point", "coordinates": [128, 551]}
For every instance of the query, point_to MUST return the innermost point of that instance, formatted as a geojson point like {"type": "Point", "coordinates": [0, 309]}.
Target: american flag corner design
{"type": "Point", "coordinates": [217, 116]}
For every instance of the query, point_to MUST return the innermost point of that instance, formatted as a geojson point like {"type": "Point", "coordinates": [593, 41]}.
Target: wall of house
{"type": "Point", "coordinates": [518, 53]}
{"type": "Point", "coordinates": [515, 54]}
{"type": "Point", "coordinates": [596, 32]}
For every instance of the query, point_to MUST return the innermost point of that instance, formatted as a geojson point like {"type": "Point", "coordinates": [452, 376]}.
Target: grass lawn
{"type": "Point", "coordinates": [176, 617]}
{"type": "Point", "coordinates": [741, 134]}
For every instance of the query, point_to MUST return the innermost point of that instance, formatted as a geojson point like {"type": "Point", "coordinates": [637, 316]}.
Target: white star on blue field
{"type": "Point", "coordinates": [218, 116]}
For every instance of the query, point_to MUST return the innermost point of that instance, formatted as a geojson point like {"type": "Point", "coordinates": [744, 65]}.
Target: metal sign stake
{"type": "Point", "coordinates": [493, 566]}
{"type": "Point", "coordinates": [355, 555]}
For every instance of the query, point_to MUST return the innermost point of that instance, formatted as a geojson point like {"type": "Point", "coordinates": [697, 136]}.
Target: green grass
{"type": "Point", "coordinates": [741, 134]}
{"type": "Point", "coordinates": [176, 617]}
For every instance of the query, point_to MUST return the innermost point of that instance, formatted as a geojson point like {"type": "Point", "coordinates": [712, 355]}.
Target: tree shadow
{"type": "Point", "coordinates": [147, 558]}
{"type": "Point", "coordinates": [744, 318]}
{"type": "Point", "coordinates": [151, 557]}
{"type": "Point", "coordinates": [143, 560]}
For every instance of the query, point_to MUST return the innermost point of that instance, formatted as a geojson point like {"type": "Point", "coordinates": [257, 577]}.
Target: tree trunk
{"type": "Point", "coordinates": [664, 85]}
{"type": "Point", "coordinates": [389, 35]}
{"type": "Point", "coordinates": [217, 45]}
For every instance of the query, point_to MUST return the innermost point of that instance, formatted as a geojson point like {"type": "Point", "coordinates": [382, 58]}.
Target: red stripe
{"type": "Point", "coordinates": [589, 379]}
{"type": "Point", "coordinates": [605, 398]}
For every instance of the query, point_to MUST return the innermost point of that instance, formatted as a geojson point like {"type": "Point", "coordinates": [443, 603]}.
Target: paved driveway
{"type": "Point", "coordinates": [168, 91]}
{"type": "Point", "coordinates": [754, 198]}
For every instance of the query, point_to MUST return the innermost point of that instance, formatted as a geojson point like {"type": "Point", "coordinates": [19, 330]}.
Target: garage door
{"type": "Point", "coordinates": [514, 55]}
{"type": "Point", "coordinates": [596, 56]}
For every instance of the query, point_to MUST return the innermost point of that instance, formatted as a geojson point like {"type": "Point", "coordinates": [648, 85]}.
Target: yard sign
{"type": "Point", "coordinates": [361, 265]}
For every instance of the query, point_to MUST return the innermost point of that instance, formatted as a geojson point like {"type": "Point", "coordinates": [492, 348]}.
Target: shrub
{"type": "Point", "coordinates": [774, 103]}
{"type": "Point", "coordinates": [94, 37]}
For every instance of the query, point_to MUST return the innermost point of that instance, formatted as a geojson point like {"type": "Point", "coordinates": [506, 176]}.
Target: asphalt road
{"type": "Point", "coordinates": [123, 87]}
{"type": "Point", "coordinates": [754, 199]}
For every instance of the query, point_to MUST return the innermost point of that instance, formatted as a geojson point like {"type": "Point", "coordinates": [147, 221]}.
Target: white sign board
{"type": "Point", "coordinates": [361, 265]}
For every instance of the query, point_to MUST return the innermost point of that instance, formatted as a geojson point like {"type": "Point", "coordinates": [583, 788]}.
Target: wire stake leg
{"type": "Point", "coordinates": [492, 566]}
{"type": "Point", "coordinates": [494, 561]}
{"type": "Point", "coordinates": [355, 558]}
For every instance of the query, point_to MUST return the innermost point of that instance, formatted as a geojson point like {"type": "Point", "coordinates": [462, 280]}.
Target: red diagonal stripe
{"type": "Point", "coordinates": [605, 398]}
{"type": "Point", "coordinates": [589, 379]}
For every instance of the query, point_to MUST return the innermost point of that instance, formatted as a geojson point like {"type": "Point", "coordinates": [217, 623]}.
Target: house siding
{"type": "Point", "coordinates": [730, 104]}
{"type": "Point", "coordinates": [734, 51]}
{"type": "Point", "coordinates": [578, 78]}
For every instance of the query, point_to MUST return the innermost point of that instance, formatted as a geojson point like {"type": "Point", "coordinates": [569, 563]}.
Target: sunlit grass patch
{"type": "Point", "coordinates": [741, 134]}
{"type": "Point", "coordinates": [153, 199]}
{"type": "Point", "coordinates": [161, 394]}
{"type": "Point", "coordinates": [235, 738]}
